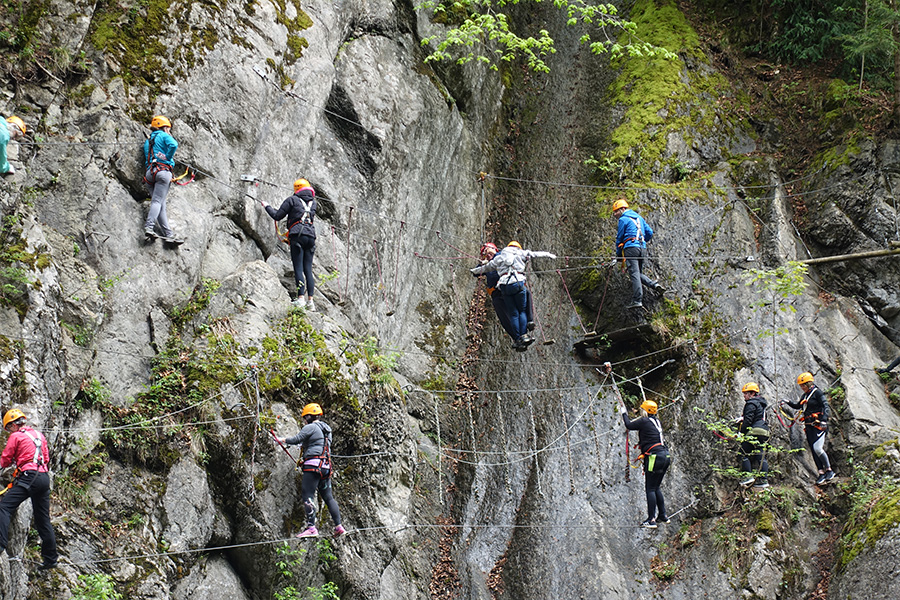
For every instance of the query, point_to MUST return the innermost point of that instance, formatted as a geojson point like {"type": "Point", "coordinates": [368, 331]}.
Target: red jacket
{"type": "Point", "coordinates": [20, 450]}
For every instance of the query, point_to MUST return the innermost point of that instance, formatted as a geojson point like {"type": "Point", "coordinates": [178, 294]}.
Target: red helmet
{"type": "Point", "coordinates": [488, 246]}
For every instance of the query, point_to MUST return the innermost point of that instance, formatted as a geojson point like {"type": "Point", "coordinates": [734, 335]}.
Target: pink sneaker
{"type": "Point", "coordinates": [309, 532]}
{"type": "Point", "coordinates": [339, 531]}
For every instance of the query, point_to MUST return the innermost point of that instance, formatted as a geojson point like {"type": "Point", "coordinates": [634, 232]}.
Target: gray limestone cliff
{"type": "Point", "coordinates": [463, 469]}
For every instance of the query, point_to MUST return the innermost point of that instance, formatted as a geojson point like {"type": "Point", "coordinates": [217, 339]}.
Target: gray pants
{"type": "Point", "coordinates": [159, 189]}
{"type": "Point", "coordinates": [634, 260]}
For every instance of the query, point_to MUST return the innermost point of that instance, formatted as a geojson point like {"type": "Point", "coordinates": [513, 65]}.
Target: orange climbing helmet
{"type": "Point", "coordinates": [650, 406]}
{"type": "Point", "coordinates": [12, 416]}
{"type": "Point", "coordinates": [159, 122]}
{"type": "Point", "coordinates": [804, 378]}
{"type": "Point", "coordinates": [620, 203]}
{"type": "Point", "coordinates": [515, 244]}
{"type": "Point", "coordinates": [311, 409]}
{"type": "Point", "coordinates": [750, 386]}
{"type": "Point", "coordinates": [18, 123]}
{"type": "Point", "coordinates": [302, 183]}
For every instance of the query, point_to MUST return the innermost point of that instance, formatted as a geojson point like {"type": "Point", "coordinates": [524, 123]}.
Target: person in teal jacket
{"type": "Point", "coordinates": [14, 128]}
{"type": "Point", "coordinates": [159, 161]}
{"type": "Point", "coordinates": [632, 236]}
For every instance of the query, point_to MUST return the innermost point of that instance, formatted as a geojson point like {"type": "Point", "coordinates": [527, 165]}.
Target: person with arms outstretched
{"type": "Point", "coordinates": [510, 265]}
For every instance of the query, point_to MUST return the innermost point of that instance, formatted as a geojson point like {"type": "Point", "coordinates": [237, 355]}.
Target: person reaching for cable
{"type": "Point", "coordinates": [509, 263]}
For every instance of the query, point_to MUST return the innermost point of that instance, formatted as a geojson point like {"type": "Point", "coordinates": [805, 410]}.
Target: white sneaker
{"type": "Point", "coordinates": [310, 305]}
{"type": "Point", "coordinates": [300, 302]}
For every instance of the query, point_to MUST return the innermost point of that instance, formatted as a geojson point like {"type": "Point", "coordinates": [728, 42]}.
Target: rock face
{"type": "Point", "coordinates": [462, 469]}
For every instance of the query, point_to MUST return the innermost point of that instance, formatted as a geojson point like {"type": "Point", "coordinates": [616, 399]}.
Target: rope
{"type": "Point", "coordinates": [347, 278]}
{"type": "Point", "coordinates": [572, 302]}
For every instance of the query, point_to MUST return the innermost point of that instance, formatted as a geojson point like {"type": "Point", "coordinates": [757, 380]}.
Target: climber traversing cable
{"type": "Point", "coordinates": [816, 413]}
{"type": "Point", "coordinates": [315, 440]}
{"type": "Point", "coordinates": [632, 236]}
{"type": "Point", "coordinates": [159, 161]}
{"type": "Point", "coordinates": [492, 278]}
{"type": "Point", "coordinates": [755, 433]}
{"type": "Point", "coordinates": [300, 210]}
{"type": "Point", "coordinates": [509, 264]}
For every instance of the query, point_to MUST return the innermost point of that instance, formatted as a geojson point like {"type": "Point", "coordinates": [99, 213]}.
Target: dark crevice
{"type": "Point", "coordinates": [361, 145]}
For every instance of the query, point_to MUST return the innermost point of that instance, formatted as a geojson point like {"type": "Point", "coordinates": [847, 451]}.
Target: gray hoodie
{"type": "Point", "coordinates": [312, 438]}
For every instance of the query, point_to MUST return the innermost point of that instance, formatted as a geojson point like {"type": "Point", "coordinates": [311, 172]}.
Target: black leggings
{"type": "Point", "coordinates": [815, 437]}
{"type": "Point", "coordinates": [652, 482]}
{"type": "Point", "coordinates": [36, 486]}
{"type": "Point", "coordinates": [302, 249]}
{"type": "Point", "coordinates": [312, 482]}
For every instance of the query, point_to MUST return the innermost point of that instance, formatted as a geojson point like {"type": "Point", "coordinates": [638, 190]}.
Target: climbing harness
{"type": "Point", "coordinates": [153, 166]}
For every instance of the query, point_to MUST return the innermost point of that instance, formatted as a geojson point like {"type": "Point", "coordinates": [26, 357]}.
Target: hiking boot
{"type": "Point", "coordinates": [172, 239]}
{"type": "Point", "coordinates": [527, 340]}
{"type": "Point", "coordinates": [761, 484]}
{"type": "Point", "coordinates": [659, 288]}
{"type": "Point", "coordinates": [529, 326]}
{"type": "Point", "coordinates": [820, 479]}
{"type": "Point", "coordinates": [664, 520]}
{"type": "Point", "coordinates": [150, 232]}
{"type": "Point", "coordinates": [300, 302]}
{"type": "Point", "coordinates": [310, 305]}
{"type": "Point", "coordinates": [339, 531]}
{"type": "Point", "coordinates": [12, 171]}
{"type": "Point", "coordinates": [48, 565]}
{"type": "Point", "coordinates": [309, 532]}
{"type": "Point", "coordinates": [520, 348]}
{"type": "Point", "coordinates": [649, 524]}
{"type": "Point", "coordinates": [882, 370]}
{"type": "Point", "coordinates": [748, 482]}
{"type": "Point", "coordinates": [635, 305]}
{"type": "Point", "coordinates": [829, 475]}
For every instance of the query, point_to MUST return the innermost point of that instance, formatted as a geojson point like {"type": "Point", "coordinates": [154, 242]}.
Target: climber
{"type": "Point", "coordinates": [489, 251]}
{"type": "Point", "coordinates": [159, 153]}
{"type": "Point", "coordinates": [315, 440]}
{"type": "Point", "coordinates": [510, 266]}
{"type": "Point", "coordinates": [300, 210]}
{"type": "Point", "coordinates": [631, 245]}
{"type": "Point", "coordinates": [755, 434]}
{"type": "Point", "coordinates": [815, 421]}
{"type": "Point", "coordinates": [15, 128]}
{"type": "Point", "coordinates": [656, 459]}
{"type": "Point", "coordinates": [27, 450]}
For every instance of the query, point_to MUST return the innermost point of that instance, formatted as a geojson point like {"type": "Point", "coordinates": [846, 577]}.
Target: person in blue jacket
{"type": "Point", "coordinates": [631, 245]}
{"type": "Point", "coordinates": [12, 129]}
{"type": "Point", "coordinates": [300, 210]}
{"type": "Point", "coordinates": [492, 281]}
{"type": "Point", "coordinates": [159, 161]}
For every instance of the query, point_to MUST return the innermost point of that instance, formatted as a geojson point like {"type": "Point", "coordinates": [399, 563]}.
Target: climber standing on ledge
{"type": "Point", "coordinates": [27, 450]}
{"type": "Point", "coordinates": [632, 236]}
{"type": "Point", "coordinates": [816, 413]}
{"type": "Point", "coordinates": [300, 210]}
{"type": "Point", "coordinates": [159, 155]}
{"type": "Point", "coordinates": [315, 441]}
{"type": "Point", "coordinates": [510, 264]}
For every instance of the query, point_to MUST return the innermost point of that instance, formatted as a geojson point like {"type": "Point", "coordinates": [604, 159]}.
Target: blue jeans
{"type": "Point", "coordinates": [515, 299]}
